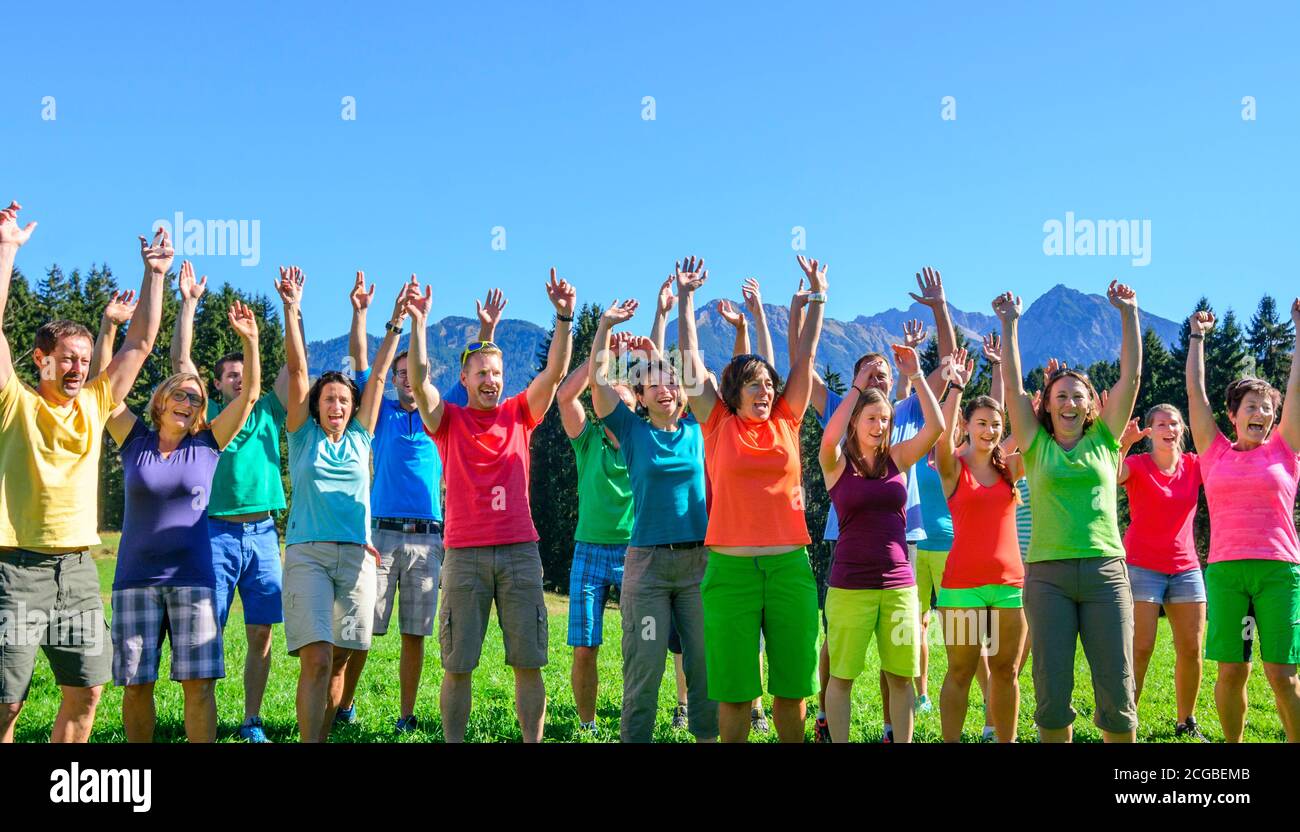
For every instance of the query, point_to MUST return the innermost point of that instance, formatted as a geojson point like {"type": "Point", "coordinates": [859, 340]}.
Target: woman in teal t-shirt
{"type": "Point", "coordinates": [1076, 586]}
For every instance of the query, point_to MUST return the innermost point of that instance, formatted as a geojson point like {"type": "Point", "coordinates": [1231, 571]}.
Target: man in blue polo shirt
{"type": "Point", "coordinates": [406, 508]}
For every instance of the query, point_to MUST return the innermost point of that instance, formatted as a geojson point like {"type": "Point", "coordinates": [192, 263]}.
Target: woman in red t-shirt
{"type": "Point", "coordinates": [1163, 567]}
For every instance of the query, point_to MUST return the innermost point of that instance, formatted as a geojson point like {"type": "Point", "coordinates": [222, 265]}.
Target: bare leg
{"type": "Point", "coordinates": [138, 714]}
{"type": "Point", "coordinates": [1146, 619]}
{"type": "Point", "coordinates": [257, 667]}
{"type": "Point", "coordinates": [339, 660]}
{"type": "Point", "coordinates": [76, 714]}
{"type": "Point", "coordinates": [200, 709]}
{"type": "Point", "coordinates": [839, 696]}
{"type": "Point", "coordinates": [789, 716]}
{"type": "Point", "coordinates": [954, 697]}
{"type": "Point", "coordinates": [8, 720]}
{"type": "Point", "coordinates": [1187, 621]}
{"type": "Point", "coordinates": [1286, 692]}
{"type": "Point", "coordinates": [1004, 678]}
{"type": "Point", "coordinates": [530, 702]}
{"type": "Point", "coordinates": [1230, 698]}
{"type": "Point", "coordinates": [314, 662]}
{"type": "Point", "coordinates": [409, 667]}
{"type": "Point", "coordinates": [351, 679]}
{"type": "Point", "coordinates": [681, 678]}
{"type": "Point", "coordinates": [901, 703]}
{"type": "Point", "coordinates": [733, 721]}
{"type": "Point", "coordinates": [584, 680]}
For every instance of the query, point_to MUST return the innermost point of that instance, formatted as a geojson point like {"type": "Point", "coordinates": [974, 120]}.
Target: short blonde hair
{"type": "Point", "coordinates": [163, 392]}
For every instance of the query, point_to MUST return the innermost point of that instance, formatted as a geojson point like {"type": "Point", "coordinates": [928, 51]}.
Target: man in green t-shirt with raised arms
{"type": "Point", "coordinates": [50, 442]}
{"type": "Point", "coordinates": [245, 490]}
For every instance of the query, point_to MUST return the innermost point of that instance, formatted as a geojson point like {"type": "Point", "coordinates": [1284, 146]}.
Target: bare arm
{"type": "Point", "coordinates": [799, 385]}
{"type": "Point", "coordinates": [754, 303]}
{"type": "Point", "coordinates": [1290, 426]}
{"type": "Point", "coordinates": [230, 421]}
{"type": "Point", "coordinates": [541, 390]}
{"type": "Point", "coordinates": [945, 455]}
{"type": "Point", "coordinates": [1020, 410]}
{"type": "Point", "coordinates": [930, 283]}
{"type": "Point", "coordinates": [295, 350]}
{"type": "Point", "coordinates": [573, 416]}
{"type": "Point", "coordinates": [993, 354]}
{"type": "Point", "coordinates": [1200, 416]}
{"type": "Point", "coordinates": [12, 236]}
{"type": "Point", "coordinates": [357, 346]}
{"type": "Point", "coordinates": [427, 398]}
{"type": "Point", "coordinates": [373, 395]}
{"type": "Point", "coordinates": [797, 304]}
{"type": "Point", "coordinates": [125, 366]}
{"type": "Point", "coordinates": [1118, 409]}
{"type": "Point", "coordinates": [183, 332]}
{"type": "Point", "coordinates": [120, 308]}
{"type": "Point", "coordinates": [663, 305]}
{"type": "Point", "coordinates": [737, 320]}
{"type": "Point", "coordinates": [690, 275]}
{"type": "Point", "coordinates": [1131, 437]}
{"type": "Point", "coordinates": [830, 455]}
{"type": "Point", "coordinates": [489, 314]}
{"type": "Point", "coordinates": [911, 451]}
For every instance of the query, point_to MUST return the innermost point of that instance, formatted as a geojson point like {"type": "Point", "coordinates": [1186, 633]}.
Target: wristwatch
{"type": "Point", "coordinates": [395, 328]}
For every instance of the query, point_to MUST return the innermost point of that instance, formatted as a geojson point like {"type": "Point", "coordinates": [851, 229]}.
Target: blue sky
{"type": "Point", "coordinates": [528, 116]}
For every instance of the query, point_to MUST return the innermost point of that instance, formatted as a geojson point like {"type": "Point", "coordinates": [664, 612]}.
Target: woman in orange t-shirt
{"type": "Point", "coordinates": [758, 578]}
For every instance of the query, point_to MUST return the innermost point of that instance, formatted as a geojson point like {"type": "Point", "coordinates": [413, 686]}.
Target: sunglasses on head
{"type": "Point", "coordinates": [472, 348]}
{"type": "Point", "coordinates": [179, 396]}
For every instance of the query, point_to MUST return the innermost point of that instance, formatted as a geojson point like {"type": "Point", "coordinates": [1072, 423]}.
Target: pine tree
{"type": "Point", "coordinates": [1227, 359]}
{"type": "Point", "coordinates": [1158, 382]}
{"type": "Point", "coordinates": [1270, 339]}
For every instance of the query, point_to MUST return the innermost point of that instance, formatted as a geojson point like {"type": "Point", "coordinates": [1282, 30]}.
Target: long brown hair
{"type": "Point", "coordinates": [997, 459]}
{"type": "Point", "coordinates": [878, 468]}
{"type": "Point", "coordinates": [1094, 411]}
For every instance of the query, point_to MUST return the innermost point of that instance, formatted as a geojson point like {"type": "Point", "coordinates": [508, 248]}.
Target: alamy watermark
{"type": "Point", "coordinates": [236, 238]}
{"type": "Point", "coordinates": [1099, 238]}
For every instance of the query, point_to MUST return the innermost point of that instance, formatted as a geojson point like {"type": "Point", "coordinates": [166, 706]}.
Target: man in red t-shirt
{"type": "Point", "coordinates": [491, 543]}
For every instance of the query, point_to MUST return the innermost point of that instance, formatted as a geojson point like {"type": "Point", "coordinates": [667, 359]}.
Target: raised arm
{"type": "Point", "coordinates": [930, 282]}
{"type": "Point", "coordinates": [830, 455]}
{"type": "Point", "coordinates": [799, 384]}
{"type": "Point", "coordinates": [183, 332]}
{"type": "Point", "coordinates": [663, 305]}
{"type": "Point", "coordinates": [427, 398]}
{"type": "Point", "coordinates": [945, 450]}
{"type": "Point", "coordinates": [230, 421]}
{"type": "Point", "coordinates": [12, 236]}
{"type": "Point", "coordinates": [914, 337]}
{"type": "Point", "coordinates": [911, 451]}
{"type": "Point", "coordinates": [1020, 408]}
{"type": "Point", "coordinates": [603, 349]}
{"type": "Point", "coordinates": [1200, 416]}
{"type": "Point", "coordinates": [1132, 436]}
{"type": "Point", "coordinates": [120, 308]}
{"type": "Point", "coordinates": [573, 416]}
{"type": "Point", "coordinates": [754, 303]}
{"type": "Point", "coordinates": [1117, 408]}
{"type": "Point", "coordinates": [489, 314]}
{"type": "Point", "coordinates": [125, 366]}
{"type": "Point", "coordinates": [289, 287]}
{"type": "Point", "coordinates": [690, 275]}
{"type": "Point", "coordinates": [541, 390]}
{"type": "Point", "coordinates": [993, 354]}
{"type": "Point", "coordinates": [737, 320]}
{"type": "Point", "coordinates": [1290, 426]}
{"type": "Point", "coordinates": [360, 300]}
{"type": "Point", "coordinates": [373, 394]}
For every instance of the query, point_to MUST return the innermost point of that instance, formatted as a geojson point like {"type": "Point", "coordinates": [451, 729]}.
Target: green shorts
{"type": "Point", "coordinates": [1249, 597]}
{"type": "Point", "coordinates": [989, 595]}
{"type": "Point", "coordinates": [929, 565]}
{"type": "Point", "coordinates": [893, 616]}
{"type": "Point", "coordinates": [775, 595]}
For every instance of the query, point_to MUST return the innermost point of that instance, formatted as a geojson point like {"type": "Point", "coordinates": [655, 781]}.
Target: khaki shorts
{"type": "Point", "coordinates": [472, 579]}
{"type": "Point", "coordinates": [329, 595]}
{"type": "Point", "coordinates": [413, 562]}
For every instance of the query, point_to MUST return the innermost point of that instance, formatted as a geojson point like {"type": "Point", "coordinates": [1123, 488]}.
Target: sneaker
{"type": "Point", "coordinates": [588, 728]}
{"type": "Point", "coordinates": [888, 736]}
{"type": "Point", "coordinates": [1189, 730]}
{"type": "Point", "coordinates": [406, 724]}
{"type": "Point", "coordinates": [251, 730]}
{"type": "Point", "coordinates": [923, 705]}
{"type": "Point", "coordinates": [679, 718]}
{"type": "Point", "coordinates": [988, 735]}
{"type": "Point", "coordinates": [821, 731]}
{"type": "Point", "coordinates": [758, 720]}
{"type": "Point", "coordinates": [346, 716]}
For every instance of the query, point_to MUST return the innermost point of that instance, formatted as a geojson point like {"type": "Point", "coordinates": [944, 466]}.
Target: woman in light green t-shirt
{"type": "Point", "coordinates": [1076, 585]}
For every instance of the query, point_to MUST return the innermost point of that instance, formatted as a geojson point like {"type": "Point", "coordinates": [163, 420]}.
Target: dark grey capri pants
{"type": "Point", "coordinates": [1088, 600]}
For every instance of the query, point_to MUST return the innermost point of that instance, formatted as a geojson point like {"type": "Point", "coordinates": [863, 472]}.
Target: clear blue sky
{"type": "Point", "coordinates": [528, 116]}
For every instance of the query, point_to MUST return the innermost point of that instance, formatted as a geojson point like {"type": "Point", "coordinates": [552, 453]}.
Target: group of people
{"type": "Point", "coordinates": [690, 501]}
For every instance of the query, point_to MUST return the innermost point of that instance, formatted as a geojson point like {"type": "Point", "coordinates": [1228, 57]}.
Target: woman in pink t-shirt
{"type": "Point", "coordinates": [1253, 579]}
{"type": "Point", "coordinates": [1163, 568]}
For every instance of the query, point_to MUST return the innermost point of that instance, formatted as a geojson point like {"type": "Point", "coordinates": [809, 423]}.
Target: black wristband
{"type": "Point", "coordinates": [567, 320]}
{"type": "Point", "coordinates": [861, 392]}
{"type": "Point", "coordinates": [1197, 335]}
{"type": "Point", "coordinates": [392, 327]}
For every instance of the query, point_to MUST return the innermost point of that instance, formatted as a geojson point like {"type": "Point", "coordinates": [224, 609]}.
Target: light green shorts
{"type": "Point", "coordinates": [989, 595]}
{"type": "Point", "coordinates": [1246, 599]}
{"type": "Point", "coordinates": [929, 566]}
{"type": "Point", "coordinates": [892, 616]}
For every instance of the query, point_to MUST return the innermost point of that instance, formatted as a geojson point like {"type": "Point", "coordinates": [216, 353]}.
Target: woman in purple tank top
{"type": "Point", "coordinates": [164, 582]}
{"type": "Point", "coordinates": [872, 586]}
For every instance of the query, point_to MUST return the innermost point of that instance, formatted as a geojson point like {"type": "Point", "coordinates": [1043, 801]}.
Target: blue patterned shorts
{"type": "Point", "coordinates": [596, 567]}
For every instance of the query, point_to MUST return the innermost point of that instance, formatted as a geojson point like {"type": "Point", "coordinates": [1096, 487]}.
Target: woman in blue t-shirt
{"type": "Point", "coordinates": [164, 582]}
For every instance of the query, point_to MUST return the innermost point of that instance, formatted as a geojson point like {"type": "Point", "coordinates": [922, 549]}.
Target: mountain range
{"type": "Point", "coordinates": [1063, 323]}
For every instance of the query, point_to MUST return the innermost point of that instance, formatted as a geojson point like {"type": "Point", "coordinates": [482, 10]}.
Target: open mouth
{"type": "Point", "coordinates": [666, 402]}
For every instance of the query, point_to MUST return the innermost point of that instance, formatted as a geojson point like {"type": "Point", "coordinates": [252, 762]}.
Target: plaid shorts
{"type": "Point", "coordinates": [413, 562]}
{"type": "Point", "coordinates": [186, 614]}
{"type": "Point", "coordinates": [596, 567]}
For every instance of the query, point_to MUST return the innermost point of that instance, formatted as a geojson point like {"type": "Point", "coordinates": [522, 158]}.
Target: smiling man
{"type": "Point", "coordinates": [50, 442]}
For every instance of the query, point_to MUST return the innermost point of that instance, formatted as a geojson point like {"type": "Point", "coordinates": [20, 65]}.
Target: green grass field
{"type": "Point", "coordinates": [493, 719]}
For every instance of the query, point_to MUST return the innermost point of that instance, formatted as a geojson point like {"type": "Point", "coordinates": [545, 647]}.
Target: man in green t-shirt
{"type": "Point", "coordinates": [245, 491]}
{"type": "Point", "coordinates": [600, 541]}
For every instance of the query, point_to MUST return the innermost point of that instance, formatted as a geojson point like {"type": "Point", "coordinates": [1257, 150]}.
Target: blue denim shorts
{"type": "Point", "coordinates": [1158, 588]}
{"type": "Point", "coordinates": [247, 556]}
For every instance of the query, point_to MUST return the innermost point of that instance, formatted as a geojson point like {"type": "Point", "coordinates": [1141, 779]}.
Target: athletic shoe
{"type": "Point", "coordinates": [1189, 730]}
{"type": "Point", "coordinates": [988, 735]}
{"type": "Point", "coordinates": [346, 716]}
{"type": "Point", "coordinates": [923, 705]}
{"type": "Point", "coordinates": [758, 720]}
{"type": "Point", "coordinates": [822, 731]}
{"type": "Point", "coordinates": [406, 724]}
{"type": "Point", "coordinates": [251, 730]}
{"type": "Point", "coordinates": [588, 728]}
{"type": "Point", "coordinates": [888, 736]}
{"type": "Point", "coordinates": [679, 718]}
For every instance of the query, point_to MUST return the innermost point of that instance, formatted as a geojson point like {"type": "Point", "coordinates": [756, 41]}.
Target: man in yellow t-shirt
{"type": "Point", "coordinates": [50, 441]}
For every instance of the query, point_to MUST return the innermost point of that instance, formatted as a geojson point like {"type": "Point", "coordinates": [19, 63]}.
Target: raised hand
{"type": "Point", "coordinates": [289, 286]}
{"type": "Point", "coordinates": [1035, 399]}
{"type": "Point", "coordinates": [815, 272]}
{"type": "Point", "coordinates": [359, 296]}
{"type": "Point", "coordinates": [753, 299]}
{"type": "Point", "coordinates": [667, 300]}
{"type": "Point", "coordinates": [562, 295]}
{"type": "Point", "coordinates": [634, 344]}
{"type": "Point", "coordinates": [618, 313]}
{"type": "Point", "coordinates": [906, 360]}
{"type": "Point", "coordinates": [1132, 435]}
{"type": "Point", "coordinates": [1007, 307]}
{"type": "Point", "coordinates": [992, 346]}
{"type": "Point", "coordinates": [120, 308]}
{"type": "Point", "coordinates": [1053, 367]}
{"type": "Point", "coordinates": [11, 234]}
{"type": "Point", "coordinates": [242, 321]}
{"type": "Point", "coordinates": [1202, 322]}
{"type": "Point", "coordinates": [1295, 313]}
{"type": "Point", "coordinates": [800, 298]}
{"type": "Point", "coordinates": [913, 333]}
{"type": "Point", "coordinates": [418, 305]}
{"type": "Point", "coordinates": [931, 286]}
{"type": "Point", "coordinates": [409, 289]}
{"type": "Point", "coordinates": [157, 256]}
{"type": "Point", "coordinates": [958, 367]}
{"type": "Point", "coordinates": [690, 274]}
{"type": "Point", "coordinates": [490, 309]}
{"type": "Point", "coordinates": [730, 314]}
{"type": "Point", "coordinates": [190, 288]}
{"type": "Point", "coordinates": [1121, 296]}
